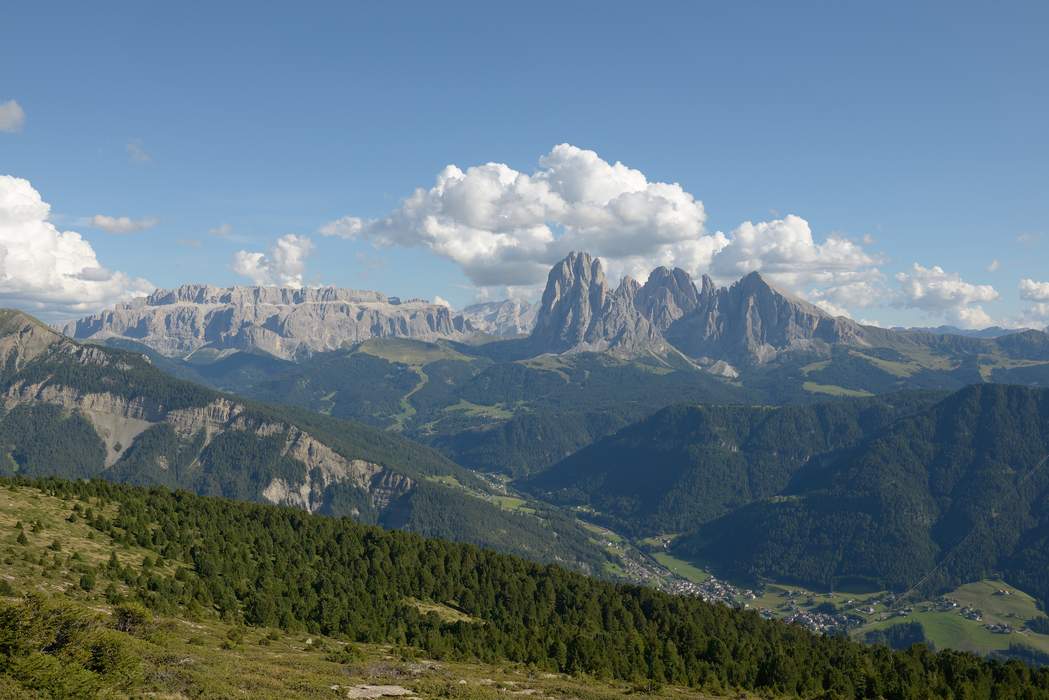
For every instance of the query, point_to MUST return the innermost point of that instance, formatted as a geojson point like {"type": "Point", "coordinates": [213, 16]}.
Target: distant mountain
{"type": "Point", "coordinates": [749, 322]}
{"type": "Point", "coordinates": [730, 331]}
{"type": "Point", "coordinates": [83, 411]}
{"type": "Point", "coordinates": [284, 322]}
{"type": "Point", "coordinates": [500, 319]}
{"type": "Point", "coordinates": [580, 312]}
{"type": "Point", "coordinates": [951, 494]}
{"type": "Point", "coordinates": [991, 332]}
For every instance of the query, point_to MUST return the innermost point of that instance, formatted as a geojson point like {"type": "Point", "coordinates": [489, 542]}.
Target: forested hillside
{"type": "Point", "coordinates": [282, 567]}
{"type": "Point", "coordinates": [948, 495]}
{"type": "Point", "coordinates": [687, 465]}
{"type": "Point", "coordinates": [480, 409]}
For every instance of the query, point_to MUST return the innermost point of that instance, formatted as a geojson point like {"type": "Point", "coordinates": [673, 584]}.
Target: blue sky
{"type": "Point", "coordinates": [915, 132]}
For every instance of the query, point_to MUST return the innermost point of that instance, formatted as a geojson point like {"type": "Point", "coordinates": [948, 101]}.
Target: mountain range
{"type": "Point", "coordinates": [748, 322]}
{"type": "Point", "coordinates": [491, 396]}
{"type": "Point", "coordinates": [726, 330]}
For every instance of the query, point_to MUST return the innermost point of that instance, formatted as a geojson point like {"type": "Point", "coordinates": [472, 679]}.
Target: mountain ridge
{"type": "Point", "coordinates": [749, 323]}
{"type": "Point", "coordinates": [83, 411]}
{"type": "Point", "coordinates": [946, 495]}
{"type": "Point", "coordinates": [289, 323]}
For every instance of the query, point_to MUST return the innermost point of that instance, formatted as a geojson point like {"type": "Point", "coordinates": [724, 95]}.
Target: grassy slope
{"type": "Point", "coordinates": [202, 656]}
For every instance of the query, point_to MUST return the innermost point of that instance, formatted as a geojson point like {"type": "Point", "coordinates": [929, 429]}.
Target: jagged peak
{"type": "Point", "coordinates": [755, 283]}
{"type": "Point", "coordinates": [581, 264]}
{"type": "Point", "coordinates": [706, 285]}
{"type": "Point", "coordinates": [753, 280]}
{"type": "Point", "coordinates": [628, 286]}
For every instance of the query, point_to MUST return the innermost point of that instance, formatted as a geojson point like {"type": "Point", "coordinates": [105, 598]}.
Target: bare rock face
{"type": "Point", "coordinates": [749, 322]}
{"type": "Point", "coordinates": [753, 321]}
{"type": "Point", "coordinates": [284, 322]}
{"type": "Point", "coordinates": [667, 296]}
{"type": "Point", "coordinates": [502, 319]}
{"type": "Point", "coordinates": [580, 312]}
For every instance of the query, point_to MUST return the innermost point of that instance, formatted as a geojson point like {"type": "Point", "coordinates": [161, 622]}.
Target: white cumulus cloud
{"type": "Point", "coordinates": [1036, 313]}
{"type": "Point", "coordinates": [836, 274]}
{"type": "Point", "coordinates": [12, 116]}
{"type": "Point", "coordinates": [945, 295]}
{"type": "Point", "coordinates": [282, 266]}
{"type": "Point", "coordinates": [121, 224]}
{"type": "Point", "coordinates": [1034, 291]}
{"type": "Point", "coordinates": [504, 227]}
{"type": "Point", "coordinates": [51, 273]}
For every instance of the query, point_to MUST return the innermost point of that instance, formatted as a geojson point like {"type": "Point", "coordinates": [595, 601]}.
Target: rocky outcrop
{"type": "Point", "coordinates": [501, 319]}
{"type": "Point", "coordinates": [749, 322]}
{"type": "Point", "coordinates": [117, 420]}
{"type": "Point", "coordinates": [667, 296]}
{"type": "Point", "coordinates": [284, 322]}
{"type": "Point", "coordinates": [752, 321]}
{"type": "Point", "coordinates": [579, 312]}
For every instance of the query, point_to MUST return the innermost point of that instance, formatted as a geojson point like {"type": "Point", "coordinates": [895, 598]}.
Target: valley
{"type": "Point", "coordinates": [987, 617]}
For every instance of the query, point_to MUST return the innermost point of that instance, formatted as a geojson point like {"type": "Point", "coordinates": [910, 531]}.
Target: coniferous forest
{"type": "Point", "coordinates": [272, 566]}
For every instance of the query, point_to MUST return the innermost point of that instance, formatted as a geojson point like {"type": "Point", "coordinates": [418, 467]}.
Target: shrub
{"type": "Point", "coordinates": [131, 618]}
{"type": "Point", "coordinates": [87, 581]}
{"type": "Point", "coordinates": [111, 655]}
{"type": "Point", "coordinates": [347, 654]}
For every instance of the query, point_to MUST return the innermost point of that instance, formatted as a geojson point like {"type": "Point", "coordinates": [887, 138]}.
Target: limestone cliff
{"type": "Point", "coordinates": [284, 322]}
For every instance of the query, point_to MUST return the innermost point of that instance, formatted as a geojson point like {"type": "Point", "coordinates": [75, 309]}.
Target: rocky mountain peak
{"type": "Point", "coordinates": [22, 338]}
{"type": "Point", "coordinates": [748, 322]}
{"type": "Point", "coordinates": [580, 312]}
{"type": "Point", "coordinates": [667, 296]}
{"type": "Point", "coordinates": [628, 287]}
{"type": "Point", "coordinates": [753, 321]}
{"type": "Point", "coordinates": [575, 292]}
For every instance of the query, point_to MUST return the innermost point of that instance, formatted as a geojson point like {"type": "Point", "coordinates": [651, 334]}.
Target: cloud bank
{"type": "Point", "coordinates": [51, 273]}
{"type": "Point", "coordinates": [505, 228]}
{"type": "Point", "coordinates": [283, 266]}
